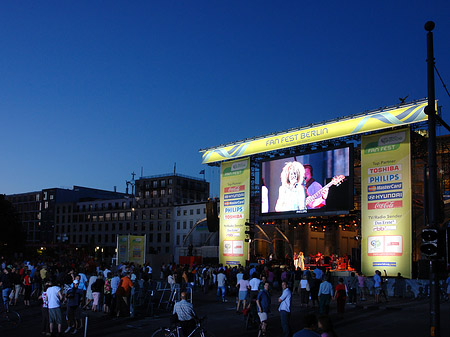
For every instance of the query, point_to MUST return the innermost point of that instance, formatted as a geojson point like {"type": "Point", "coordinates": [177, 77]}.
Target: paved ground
{"type": "Point", "coordinates": [398, 317]}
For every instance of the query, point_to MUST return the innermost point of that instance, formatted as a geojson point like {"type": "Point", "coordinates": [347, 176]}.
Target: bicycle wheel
{"type": "Point", "coordinates": [11, 319]}
{"type": "Point", "coordinates": [201, 333]}
{"type": "Point", "coordinates": [162, 332]}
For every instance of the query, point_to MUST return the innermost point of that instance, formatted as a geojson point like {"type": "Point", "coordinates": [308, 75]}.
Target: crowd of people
{"type": "Point", "coordinates": [66, 290]}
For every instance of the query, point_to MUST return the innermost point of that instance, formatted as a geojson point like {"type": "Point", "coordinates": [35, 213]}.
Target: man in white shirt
{"type": "Point", "coordinates": [54, 309]}
{"type": "Point", "coordinates": [254, 286]}
{"type": "Point", "coordinates": [221, 278]}
{"type": "Point", "coordinates": [285, 308]}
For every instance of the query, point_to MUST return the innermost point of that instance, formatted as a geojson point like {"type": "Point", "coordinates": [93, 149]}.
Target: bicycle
{"type": "Point", "coordinates": [175, 331]}
{"type": "Point", "coordinates": [9, 319]}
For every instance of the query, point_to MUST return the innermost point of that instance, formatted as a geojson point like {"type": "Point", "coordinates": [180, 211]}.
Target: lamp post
{"type": "Point", "coordinates": [435, 325]}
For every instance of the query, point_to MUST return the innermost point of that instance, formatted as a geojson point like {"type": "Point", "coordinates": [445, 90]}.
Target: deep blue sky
{"type": "Point", "coordinates": [93, 90]}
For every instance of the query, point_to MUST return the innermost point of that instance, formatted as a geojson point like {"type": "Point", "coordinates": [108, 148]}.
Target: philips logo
{"type": "Point", "coordinates": [385, 178]}
{"type": "Point", "coordinates": [238, 209]}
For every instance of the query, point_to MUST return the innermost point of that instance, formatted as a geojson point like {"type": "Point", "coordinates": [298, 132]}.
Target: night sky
{"type": "Point", "coordinates": [91, 91]}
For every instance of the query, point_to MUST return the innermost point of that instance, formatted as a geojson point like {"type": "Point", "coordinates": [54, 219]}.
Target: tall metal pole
{"type": "Point", "coordinates": [435, 324]}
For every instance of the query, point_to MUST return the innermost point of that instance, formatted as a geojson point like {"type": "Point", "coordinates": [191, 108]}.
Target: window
{"type": "Point", "coordinates": [178, 240]}
{"type": "Point", "coordinates": [168, 226]}
{"type": "Point", "coordinates": [163, 183]}
{"type": "Point", "coordinates": [184, 224]}
{"type": "Point", "coordinates": [155, 193]}
{"type": "Point", "coordinates": [185, 212]}
{"type": "Point", "coordinates": [178, 225]}
{"type": "Point", "coordinates": [163, 193]}
{"type": "Point", "coordinates": [167, 237]}
{"type": "Point", "coordinates": [150, 237]}
{"type": "Point", "coordinates": [191, 212]}
{"type": "Point", "coordinates": [155, 184]}
{"type": "Point", "coordinates": [158, 238]}
{"type": "Point", "coordinates": [178, 212]}
{"type": "Point", "coordinates": [128, 216]}
{"type": "Point", "coordinates": [198, 210]}
{"type": "Point", "coordinates": [159, 226]}
{"type": "Point", "coordinates": [191, 224]}
{"type": "Point", "coordinates": [169, 191]}
{"type": "Point", "coordinates": [151, 226]}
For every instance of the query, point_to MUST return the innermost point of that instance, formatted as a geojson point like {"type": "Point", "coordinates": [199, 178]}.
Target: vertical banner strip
{"type": "Point", "coordinates": [234, 211]}
{"type": "Point", "coordinates": [386, 203]}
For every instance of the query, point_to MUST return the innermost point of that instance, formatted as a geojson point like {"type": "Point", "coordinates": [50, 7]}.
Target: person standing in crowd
{"type": "Point", "coordinates": [325, 294]}
{"type": "Point", "coordinates": [362, 287]}
{"type": "Point", "coordinates": [27, 286]}
{"type": "Point", "coordinates": [114, 285]}
{"type": "Point", "coordinates": [123, 295]}
{"type": "Point", "coordinates": [107, 293]}
{"type": "Point", "coordinates": [285, 308]}
{"type": "Point", "coordinates": [45, 325]}
{"type": "Point", "coordinates": [243, 286]}
{"type": "Point", "coordinates": [97, 292]}
{"type": "Point", "coordinates": [304, 291]}
{"type": "Point", "coordinates": [254, 285]}
{"type": "Point", "coordinates": [263, 302]}
{"type": "Point", "coordinates": [16, 285]}
{"type": "Point", "coordinates": [352, 288]}
{"type": "Point", "coordinates": [340, 295]}
{"type": "Point", "coordinates": [74, 297]}
{"type": "Point", "coordinates": [309, 327]}
{"type": "Point", "coordinates": [54, 307]}
{"type": "Point", "coordinates": [6, 284]}
{"type": "Point", "coordinates": [314, 290]}
{"type": "Point", "coordinates": [221, 279]}
{"type": "Point", "coordinates": [377, 285]}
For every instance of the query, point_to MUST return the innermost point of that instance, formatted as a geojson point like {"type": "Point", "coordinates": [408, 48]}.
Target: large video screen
{"type": "Point", "coordinates": [306, 184]}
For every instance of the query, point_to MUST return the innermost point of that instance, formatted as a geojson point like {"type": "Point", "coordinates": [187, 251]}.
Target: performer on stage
{"type": "Point", "coordinates": [312, 187]}
{"type": "Point", "coordinates": [301, 261]}
{"type": "Point", "coordinates": [291, 194]}
{"type": "Point", "coordinates": [295, 261]}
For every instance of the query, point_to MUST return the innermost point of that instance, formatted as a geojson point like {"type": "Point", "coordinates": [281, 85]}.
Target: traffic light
{"type": "Point", "coordinates": [430, 246]}
{"type": "Point", "coordinates": [250, 231]}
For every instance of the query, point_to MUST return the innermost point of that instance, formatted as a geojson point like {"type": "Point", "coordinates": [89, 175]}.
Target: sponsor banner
{"type": "Point", "coordinates": [386, 202]}
{"type": "Point", "coordinates": [384, 178]}
{"type": "Point", "coordinates": [234, 202]}
{"type": "Point", "coordinates": [234, 206]}
{"type": "Point", "coordinates": [384, 187]}
{"type": "Point", "coordinates": [377, 120]}
{"type": "Point", "coordinates": [384, 196]}
{"type": "Point", "coordinates": [234, 196]}
{"type": "Point", "coordinates": [131, 248]}
{"type": "Point", "coordinates": [136, 249]}
{"type": "Point", "coordinates": [122, 249]}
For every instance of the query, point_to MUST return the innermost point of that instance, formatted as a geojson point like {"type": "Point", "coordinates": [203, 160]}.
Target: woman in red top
{"type": "Point", "coordinates": [341, 296]}
{"type": "Point", "coordinates": [27, 286]}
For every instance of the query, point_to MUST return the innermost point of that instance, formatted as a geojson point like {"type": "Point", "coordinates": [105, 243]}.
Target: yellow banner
{"type": "Point", "coordinates": [234, 211]}
{"type": "Point", "coordinates": [136, 251]}
{"type": "Point", "coordinates": [347, 126]}
{"type": "Point", "coordinates": [131, 248]}
{"type": "Point", "coordinates": [386, 203]}
{"type": "Point", "coordinates": [122, 249]}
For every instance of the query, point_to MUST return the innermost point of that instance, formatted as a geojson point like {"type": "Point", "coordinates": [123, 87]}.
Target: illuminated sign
{"type": "Point", "coordinates": [234, 205]}
{"type": "Point", "coordinates": [386, 208]}
{"type": "Point", "coordinates": [347, 126]}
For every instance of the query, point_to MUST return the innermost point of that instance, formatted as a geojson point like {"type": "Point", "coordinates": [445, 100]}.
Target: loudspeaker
{"type": "Point", "coordinates": [211, 216]}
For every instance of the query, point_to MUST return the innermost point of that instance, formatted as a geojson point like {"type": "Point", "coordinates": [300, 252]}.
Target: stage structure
{"type": "Point", "coordinates": [302, 182]}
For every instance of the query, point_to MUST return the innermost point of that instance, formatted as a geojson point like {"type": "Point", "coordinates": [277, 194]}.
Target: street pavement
{"type": "Point", "coordinates": [397, 317]}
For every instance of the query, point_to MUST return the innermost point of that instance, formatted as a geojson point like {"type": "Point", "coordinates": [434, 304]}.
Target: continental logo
{"type": "Point", "coordinates": [235, 169]}
{"type": "Point", "coordinates": [385, 143]}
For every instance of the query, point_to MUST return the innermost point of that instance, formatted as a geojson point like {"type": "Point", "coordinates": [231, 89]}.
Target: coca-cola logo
{"type": "Point", "coordinates": [385, 204]}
